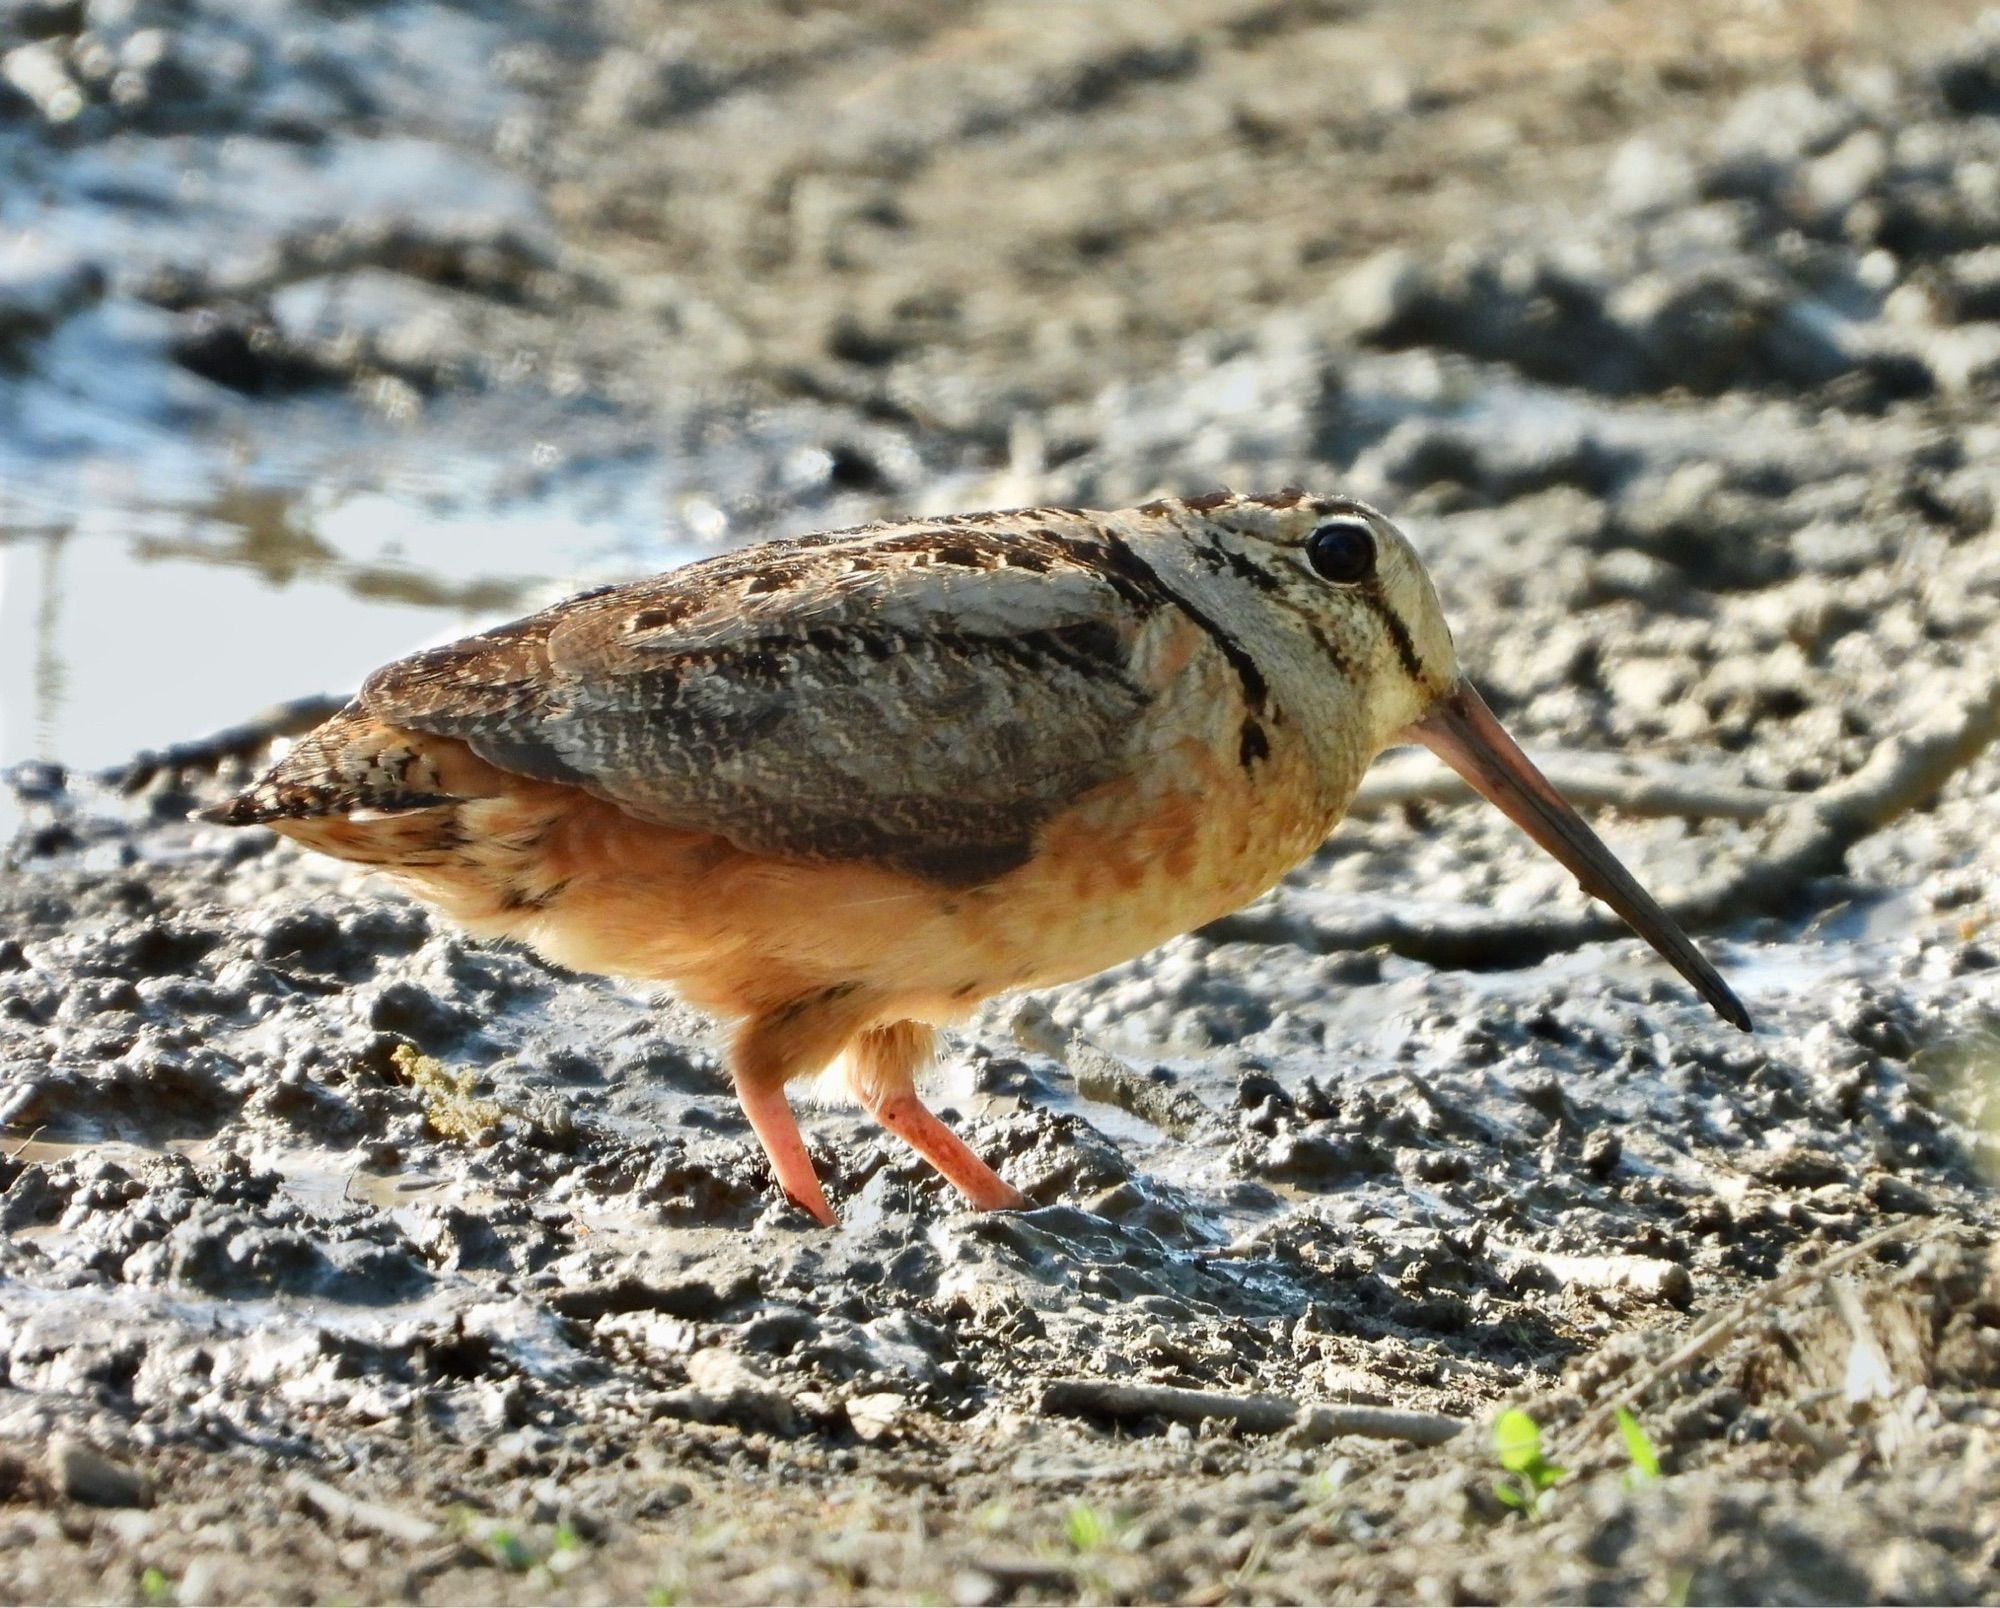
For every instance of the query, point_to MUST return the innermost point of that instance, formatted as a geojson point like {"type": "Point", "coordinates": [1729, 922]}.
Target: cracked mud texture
{"type": "Point", "coordinates": [346, 1259]}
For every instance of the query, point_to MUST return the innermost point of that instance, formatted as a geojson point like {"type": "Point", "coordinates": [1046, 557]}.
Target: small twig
{"type": "Point", "coordinates": [1590, 781]}
{"type": "Point", "coordinates": [1647, 1276]}
{"type": "Point", "coordinates": [686, 1299]}
{"type": "Point", "coordinates": [1103, 1398]}
{"type": "Point", "coordinates": [1103, 1077]}
{"type": "Point", "coordinates": [1318, 1424]}
{"type": "Point", "coordinates": [232, 742]}
{"type": "Point", "coordinates": [1257, 1415]}
{"type": "Point", "coordinates": [337, 1505]}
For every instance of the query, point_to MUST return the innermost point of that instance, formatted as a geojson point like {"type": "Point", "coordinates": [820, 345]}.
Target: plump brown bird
{"type": "Point", "coordinates": [838, 790]}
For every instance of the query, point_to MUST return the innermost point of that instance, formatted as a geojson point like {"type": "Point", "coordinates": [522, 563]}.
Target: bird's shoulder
{"type": "Point", "coordinates": [784, 606]}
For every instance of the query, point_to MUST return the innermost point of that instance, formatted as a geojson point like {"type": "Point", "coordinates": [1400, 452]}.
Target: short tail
{"type": "Point", "coordinates": [353, 762]}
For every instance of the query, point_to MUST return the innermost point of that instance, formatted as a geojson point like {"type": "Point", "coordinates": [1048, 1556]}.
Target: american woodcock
{"type": "Point", "coordinates": [840, 789]}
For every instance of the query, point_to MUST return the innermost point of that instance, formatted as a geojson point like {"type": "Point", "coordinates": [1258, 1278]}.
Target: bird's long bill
{"type": "Point", "coordinates": [1464, 733]}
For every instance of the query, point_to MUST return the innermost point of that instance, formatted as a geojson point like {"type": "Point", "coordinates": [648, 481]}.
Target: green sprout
{"type": "Point", "coordinates": [1639, 1447]}
{"type": "Point", "coordinates": [1528, 1484]}
{"type": "Point", "coordinates": [508, 1550]}
{"type": "Point", "coordinates": [1087, 1529]}
{"type": "Point", "coordinates": [154, 1585]}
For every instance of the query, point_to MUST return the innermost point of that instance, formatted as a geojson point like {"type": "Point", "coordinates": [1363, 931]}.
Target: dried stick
{"type": "Point", "coordinates": [1588, 780]}
{"type": "Point", "coordinates": [335, 1504]}
{"type": "Point", "coordinates": [1258, 1415]}
{"type": "Point", "coordinates": [1103, 1077]}
{"type": "Point", "coordinates": [1647, 1276]}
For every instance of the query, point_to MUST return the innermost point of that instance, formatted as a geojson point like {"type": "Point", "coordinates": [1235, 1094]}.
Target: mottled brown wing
{"type": "Point", "coordinates": [921, 697]}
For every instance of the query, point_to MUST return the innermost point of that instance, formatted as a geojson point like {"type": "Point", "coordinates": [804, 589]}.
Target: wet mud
{"type": "Point", "coordinates": [345, 1258]}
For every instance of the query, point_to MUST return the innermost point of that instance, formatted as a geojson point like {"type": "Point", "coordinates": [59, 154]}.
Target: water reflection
{"type": "Point", "coordinates": [260, 528]}
{"type": "Point", "coordinates": [130, 627]}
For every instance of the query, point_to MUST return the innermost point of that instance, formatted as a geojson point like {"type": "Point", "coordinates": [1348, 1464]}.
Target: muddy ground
{"type": "Point", "coordinates": [346, 1260]}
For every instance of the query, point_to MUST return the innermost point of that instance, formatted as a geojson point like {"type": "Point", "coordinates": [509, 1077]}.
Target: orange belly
{"type": "Point", "coordinates": [594, 889]}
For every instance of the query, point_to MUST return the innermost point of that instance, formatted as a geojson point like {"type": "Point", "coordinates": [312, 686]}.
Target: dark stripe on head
{"type": "Point", "coordinates": [1324, 641]}
{"type": "Point", "coordinates": [1219, 558]}
{"type": "Point", "coordinates": [1133, 581]}
{"type": "Point", "coordinates": [1399, 633]}
{"type": "Point", "coordinates": [1123, 560]}
{"type": "Point", "coordinates": [1290, 497]}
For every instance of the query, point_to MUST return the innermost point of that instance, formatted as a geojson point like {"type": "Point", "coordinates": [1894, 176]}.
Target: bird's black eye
{"type": "Point", "coordinates": [1342, 550]}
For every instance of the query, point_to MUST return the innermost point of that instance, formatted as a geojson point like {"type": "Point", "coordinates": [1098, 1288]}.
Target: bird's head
{"type": "Point", "coordinates": [1345, 614]}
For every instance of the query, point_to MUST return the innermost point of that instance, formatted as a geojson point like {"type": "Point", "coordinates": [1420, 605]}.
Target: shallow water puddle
{"type": "Point", "coordinates": [319, 1180]}
{"type": "Point", "coordinates": [128, 626]}
{"type": "Point", "coordinates": [119, 1152]}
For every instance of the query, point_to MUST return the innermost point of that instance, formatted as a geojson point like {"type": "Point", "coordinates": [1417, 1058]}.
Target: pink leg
{"type": "Point", "coordinates": [910, 1120]}
{"type": "Point", "coordinates": [883, 1068]}
{"type": "Point", "coordinates": [770, 1051]}
{"type": "Point", "coordinates": [777, 1130]}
